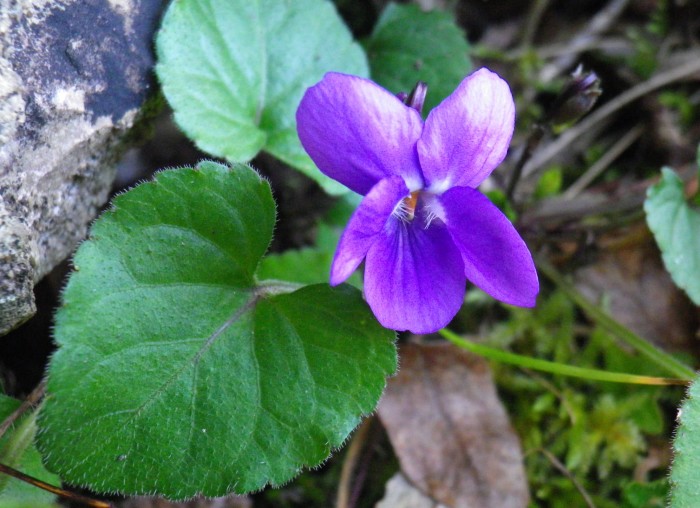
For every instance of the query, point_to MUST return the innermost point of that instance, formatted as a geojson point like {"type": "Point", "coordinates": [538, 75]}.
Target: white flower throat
{"type": "Point", "coordinates": [420, 203]}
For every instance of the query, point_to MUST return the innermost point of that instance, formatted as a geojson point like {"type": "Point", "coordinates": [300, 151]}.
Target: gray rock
{"type": "Point", "coordinates": [74, 75]}
{"type": "Point", "coordinates": [401, 494]}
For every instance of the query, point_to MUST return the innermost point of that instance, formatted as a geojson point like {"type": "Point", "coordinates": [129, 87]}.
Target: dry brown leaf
{"type": "Point", "coordinates": [640, 294]}
{"type": "Point", "coordinates": [450, 431]}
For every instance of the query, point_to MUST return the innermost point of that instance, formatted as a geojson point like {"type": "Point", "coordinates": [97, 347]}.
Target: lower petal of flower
{"type": "Point", "coordinates": [495, 257]}
{"type": "Point", "coordinates": [365, 225]}
{"type": "Point", "coordinates": [414, 277]}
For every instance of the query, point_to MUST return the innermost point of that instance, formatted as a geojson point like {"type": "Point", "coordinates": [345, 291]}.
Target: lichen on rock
{"type": "Point", "coordinates": [73, 77]}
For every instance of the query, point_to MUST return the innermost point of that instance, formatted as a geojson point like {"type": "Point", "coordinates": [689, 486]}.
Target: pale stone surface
{"type": "Point", "coordinates": [401, 494]}
{"type": "Point", "coordinates": [73, 75]}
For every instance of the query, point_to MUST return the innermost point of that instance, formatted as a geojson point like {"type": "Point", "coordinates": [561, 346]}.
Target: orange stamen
{"type": "Point", "coordinates": [409, 204]}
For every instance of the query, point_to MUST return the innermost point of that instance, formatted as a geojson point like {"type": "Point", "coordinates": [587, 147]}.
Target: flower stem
{"type": "Point", "coordinates": [596, 314]}
{"type": "Point", "coordinates": [533, 141]}
{"type": "Point", "coordinates": [554, 367]}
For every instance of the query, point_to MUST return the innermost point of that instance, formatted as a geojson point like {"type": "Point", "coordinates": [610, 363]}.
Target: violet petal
{"type": "Point", "coordinates": [495, 257]}
{"type": "Point", "coordinates": [366, 223]}
{"type": "Point", "coordinates": [414, 277]}
{"type": "Point", "coordinates": [467, 135]}
{"type": "Point", "coordinates": [358, 133]}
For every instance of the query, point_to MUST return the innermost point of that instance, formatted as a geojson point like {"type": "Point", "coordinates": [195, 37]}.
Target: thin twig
{"type": "Point", "coordinates": [617, 210]}
{"type": "Point", "coordinates": [609, 44]}
{"type": "Point", "coordinates": [533, 141]}
{"type": "Point", "coordinates": [362, 469]}
{"type": "Point", "coordinates": [569, 136]}
{"type": "Point", "coordinates": [563, 469]}
{"type": "Point", "coordinates": [351, 458]}
{"type": "Point", "coordinates": [95, 503]}
{"type": "Point", "coordinates": [534, 17]}
{"type": "Point", "coordinates": [600, 23]}
{"type": "Point", "coordinates": [32, 399]}
{"type": "Point", "coordinates": [549, 386]}
{"type": "Point", "coordinates": [602, 164]}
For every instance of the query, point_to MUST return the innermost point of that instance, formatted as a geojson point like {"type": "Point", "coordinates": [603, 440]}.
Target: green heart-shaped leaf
{"type": "Point", "coordinates": [685, 474]}
{"type": "Point", "coordinates": [676, 227]}
{"type": "Point", "coordinates": [234, 72]}
{"type": "Point", "coordinates": [310, 265]}
{"type": "Point", "coordinates": [177, 373]}
{"type": "Point", "coordinates": [410, 45]}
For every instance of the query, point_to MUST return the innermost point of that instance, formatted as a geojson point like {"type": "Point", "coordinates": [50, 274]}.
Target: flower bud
{"type": "Point", "coordinates": [576, 99]}
{"type": "Point", "coordinates": [416, 98]}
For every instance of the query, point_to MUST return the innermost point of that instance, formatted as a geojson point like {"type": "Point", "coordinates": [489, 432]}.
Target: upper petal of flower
{"type": "Point", "coordinates": [414, 277]}
{"type": "Point", "coordinates": [365, 225]}
{"type": "Point", "coordinates": [358, 133]}
{"type": "Point", "coordinates": [495, 257]}
{"type": "Point", "coordinates": [467, 135]}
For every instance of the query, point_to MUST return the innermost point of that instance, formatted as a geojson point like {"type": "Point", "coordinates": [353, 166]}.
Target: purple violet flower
{"type": "Point", "coordinates": [422, 226]}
